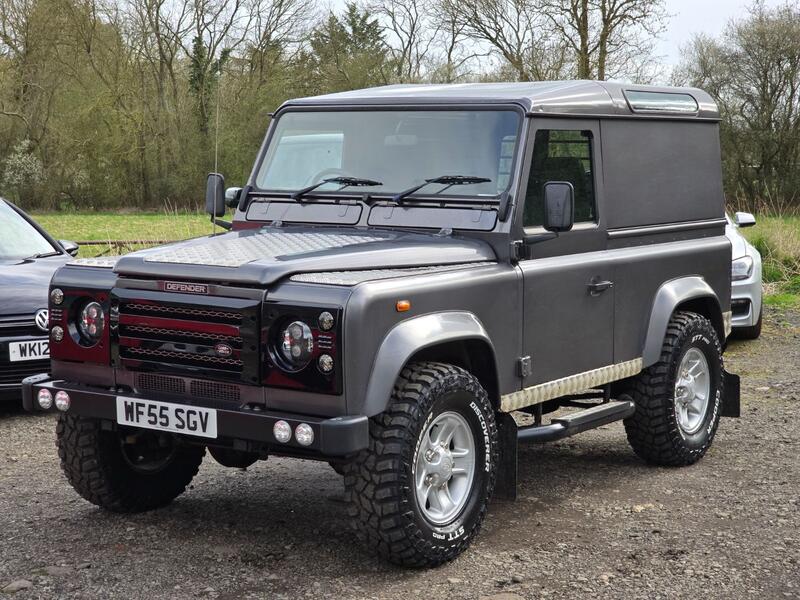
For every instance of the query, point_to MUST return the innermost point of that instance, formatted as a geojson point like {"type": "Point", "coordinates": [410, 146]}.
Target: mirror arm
{"type": "Point", "coordinates": [244, 198]}
{"type": "Point", "coordinates": [521, 249]}
{"type": "Point", "coordinates": [224, 224]}
{"type": "Point", "coordinates": [505, 205]}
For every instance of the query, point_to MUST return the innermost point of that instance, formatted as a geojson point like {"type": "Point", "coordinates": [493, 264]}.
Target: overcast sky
{"type": "Point", "coordinates": [698, 16]}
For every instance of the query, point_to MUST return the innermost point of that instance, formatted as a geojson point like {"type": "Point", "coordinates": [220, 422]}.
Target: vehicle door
{"type": "Point", "coordinates": [568, 295]}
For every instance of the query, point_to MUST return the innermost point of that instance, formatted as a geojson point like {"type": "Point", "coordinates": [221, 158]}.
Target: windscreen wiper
{"type": "Point", "coordinates": [447, 180]}
{"type": "Point", "coordinates": [342, 181]}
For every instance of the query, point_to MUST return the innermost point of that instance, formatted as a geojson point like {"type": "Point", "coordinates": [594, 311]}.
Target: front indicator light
{"type": "Point", "coordinates": [45, 398]}
{"type": "Point", "coordinates": [304, 434]}
{"type": "Point", "coordinates": [57, 333]}
{"type": "Point", "coordinates": [325, 363]}
{"type": "Point", "coordinates": [56, 296]}
{"type": "Point", "coordinates": [62, 401]}
{"type": "Point", "coordinates": [282, 431]}
{"type": "Point", "coordinates": [326, 321]}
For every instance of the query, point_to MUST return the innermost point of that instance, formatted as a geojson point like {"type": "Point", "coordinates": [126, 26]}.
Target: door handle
{"type": "Point", "coordinates": [598, 287]}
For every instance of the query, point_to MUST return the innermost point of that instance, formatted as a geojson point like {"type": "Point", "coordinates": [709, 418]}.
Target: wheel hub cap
{"type": "Point", "coordinates": [445, 468]}
{"type": "Point", "coordinates": [692, 391]}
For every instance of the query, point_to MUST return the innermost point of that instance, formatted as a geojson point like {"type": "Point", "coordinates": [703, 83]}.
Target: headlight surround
{"type": "Point", "coordinates": [295, 345]}
{"type": "Point", "coordinates": [742, 268]}
{"type": "Point", "coordinates": [91, 323]}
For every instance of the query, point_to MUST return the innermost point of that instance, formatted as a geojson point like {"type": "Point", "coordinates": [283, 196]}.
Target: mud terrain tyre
{"type": "Point", "coordinates": [115, 476]}
{"type": "Point", "coordinates": [674, 424]}
{"type": "Point", "coordinates": [419, 493]}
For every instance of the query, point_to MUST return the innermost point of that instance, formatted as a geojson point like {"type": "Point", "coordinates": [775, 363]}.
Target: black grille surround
{"type": "Point", "coordinates": [204, 337]}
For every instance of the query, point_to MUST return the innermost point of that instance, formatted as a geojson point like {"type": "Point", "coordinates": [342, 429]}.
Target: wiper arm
{"type": "Point", "coordinates": [447, 180]}
{"type": "Point", "coordinates": [342, 181]}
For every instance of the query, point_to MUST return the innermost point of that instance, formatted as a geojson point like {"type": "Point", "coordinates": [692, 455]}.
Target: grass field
{"type": "Point", "coordinates": [777, 238]}
{"type": "Point", "coordinates": [778, 241]}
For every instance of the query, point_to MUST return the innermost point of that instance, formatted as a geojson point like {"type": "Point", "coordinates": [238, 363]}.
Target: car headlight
{"type": "Point", "coordinates": [742, 268]}
{"type": "Point", "coordinates": [296, 345]}
{"type": "Point", "coordinates": [91, 322]}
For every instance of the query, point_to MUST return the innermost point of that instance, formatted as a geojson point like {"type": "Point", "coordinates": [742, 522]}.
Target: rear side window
{"type": "Point", "coordinates": [561, 155]}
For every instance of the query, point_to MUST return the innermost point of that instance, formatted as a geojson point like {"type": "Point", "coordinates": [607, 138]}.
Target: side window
{"type": "Point", "coordinates": [561, 155]}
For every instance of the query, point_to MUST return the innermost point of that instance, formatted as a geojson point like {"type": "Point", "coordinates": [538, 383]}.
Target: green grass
{"type": "Point", "coordinates": [122, 226]}
{"type": "Point", "coordinates": [783, 301]}
{"type": "Point", "coordinates": [778, 241]}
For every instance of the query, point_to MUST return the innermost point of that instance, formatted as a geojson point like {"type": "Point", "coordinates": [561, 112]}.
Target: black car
{"type": "Point", "coordinates": [28, 258]}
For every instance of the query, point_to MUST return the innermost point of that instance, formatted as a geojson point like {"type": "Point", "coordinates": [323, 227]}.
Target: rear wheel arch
{"type": "Point", "coordinates": [692, 294]}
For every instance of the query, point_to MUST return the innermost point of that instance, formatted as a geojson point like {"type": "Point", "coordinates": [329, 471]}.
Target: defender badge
{"type": "Point", "coordinates": [223, 350]}
{"type": "Point", "coordinates": [185, 288]}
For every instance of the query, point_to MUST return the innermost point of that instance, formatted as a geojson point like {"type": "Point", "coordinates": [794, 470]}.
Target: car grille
{"type": "Point", "coordinates": [197, 388]}
{"type": "Point", "coordinates": [18, 326]}
{"type": "Point", "coordinates": [170, 334]}
{"type": "Point", "coordinates": [14, 373]}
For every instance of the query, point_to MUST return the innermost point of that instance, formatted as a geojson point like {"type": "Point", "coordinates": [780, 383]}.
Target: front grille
{"type": "Point", "coordinates": [186, 337]}
{"type": "Point", "coordinates": [161, 384]}
{"type": "Point", "coordinates": [14, 373]}
{"type": "Point", "coordinates": [214, 391]}
{"type": "Point", "coordinates": [18, 326]}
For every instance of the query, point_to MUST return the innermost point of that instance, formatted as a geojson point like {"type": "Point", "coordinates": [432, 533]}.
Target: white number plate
{"type": "Point", "coordinates": [165, 416]}
{"type": "Point", "coordinates": [34, 350]}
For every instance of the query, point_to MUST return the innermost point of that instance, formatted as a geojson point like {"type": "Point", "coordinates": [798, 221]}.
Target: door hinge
{"type": "Point", "coordinates": [520, 251]}
{"type": "Point", "coordinates": [524, 366]}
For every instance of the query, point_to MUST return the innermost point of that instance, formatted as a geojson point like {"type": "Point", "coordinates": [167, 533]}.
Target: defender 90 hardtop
{"type": "Point", "coordinates": [406, 267]}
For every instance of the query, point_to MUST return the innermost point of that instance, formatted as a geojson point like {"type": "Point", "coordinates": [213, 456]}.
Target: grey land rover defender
{"type": "Point", "coordinates": [406, 268]}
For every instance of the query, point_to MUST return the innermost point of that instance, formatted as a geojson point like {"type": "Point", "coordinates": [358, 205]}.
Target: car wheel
{"type": "Point", "coordinates": [124, 472]}
{"type": "Point", "coordinates": [419, 493]}
{"type": "Point", "coordinates": [679, 398]}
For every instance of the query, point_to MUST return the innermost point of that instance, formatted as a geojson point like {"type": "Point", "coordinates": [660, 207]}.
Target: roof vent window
{"type": "Point", "coordinates": [661, 102]}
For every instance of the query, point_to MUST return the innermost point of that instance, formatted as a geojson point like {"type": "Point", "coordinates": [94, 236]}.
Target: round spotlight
{"type": "Point", "coordinates": [304, 434]}
{"type": "Point", "coordinates": [282, 431]}
{"type": "Point", "coordinates": [325, 363]}
{"type": "Point", "coordinates": [45, 398]}
{"type": "Point", "coordinates": [57, 333]}
{"type": "Point", "coordinates": [62, 401]}
{"type": "Point", "coordinates": [326, 321]}
{"type": "Point", "coordinates": [56, 296]}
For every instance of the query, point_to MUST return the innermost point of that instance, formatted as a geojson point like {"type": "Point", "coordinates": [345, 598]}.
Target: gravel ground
{"type": "Point", "coordinates": [591, 519]}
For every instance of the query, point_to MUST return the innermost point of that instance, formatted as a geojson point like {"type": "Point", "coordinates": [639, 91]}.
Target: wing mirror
{"type": "Point", "coordinates": [559, 206]}
{"type": "Point", "coordinates": [215, 195]}
{"type": "Point", "coordinates": [744, 219]}
{"type": "Point", "coordinates": [70, 248]}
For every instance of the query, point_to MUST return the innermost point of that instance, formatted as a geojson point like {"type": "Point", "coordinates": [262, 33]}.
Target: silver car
{"type": "Point", "coordinates": [746, 279]}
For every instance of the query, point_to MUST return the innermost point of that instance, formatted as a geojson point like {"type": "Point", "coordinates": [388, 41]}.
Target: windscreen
{"type": "Point", "coordinates": [18, 238]}
{"type": "Point", "coordinates": [399, 148]}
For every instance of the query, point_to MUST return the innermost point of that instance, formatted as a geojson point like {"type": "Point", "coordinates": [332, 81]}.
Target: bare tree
{"type": "Point", "coordinates": [516, 31]}
{"type": "Point", "coordinates": [607, 37]}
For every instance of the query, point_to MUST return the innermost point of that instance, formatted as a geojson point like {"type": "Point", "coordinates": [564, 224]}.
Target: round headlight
{"type": "Point", "coordinates": [296, 345]}
{"type": "Point", "coordinates": [91, 322]}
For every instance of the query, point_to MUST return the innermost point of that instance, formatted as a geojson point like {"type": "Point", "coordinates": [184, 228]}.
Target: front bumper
{"type": "Point", "coordinates": [333, 437]}
{"type": "Point", "coordinates": [746, 300]}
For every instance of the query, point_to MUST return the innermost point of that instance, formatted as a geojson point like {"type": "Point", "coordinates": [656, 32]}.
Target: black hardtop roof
{"type": "Point", "coordinates": [590, 98]}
